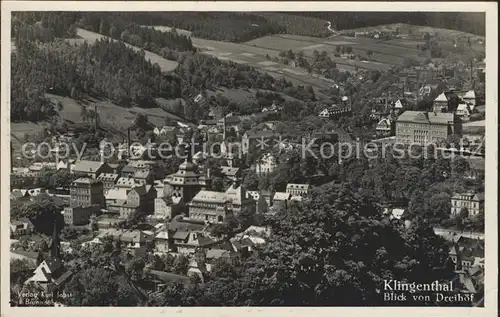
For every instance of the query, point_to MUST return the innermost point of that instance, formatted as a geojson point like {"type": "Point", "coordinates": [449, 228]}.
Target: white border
{"type": "Point", "coordinates": [491, 235]}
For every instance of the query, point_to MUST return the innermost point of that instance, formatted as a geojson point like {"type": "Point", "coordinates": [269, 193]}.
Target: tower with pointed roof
{"type": "Point", "coordinates": [55, 246]}
{"type": "Point", "coordinates": [185, 183]}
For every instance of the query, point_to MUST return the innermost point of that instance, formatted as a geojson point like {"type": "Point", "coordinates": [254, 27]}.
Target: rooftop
{"type": "Point", "coordinates": [423, 117]}
{"type": "Point", "coordinates": [85, 180]}
{"type": "Point", "coordinates": [441, 98]}
{"type": "Point", "coordinates": [281, 196]}
{"type": "Point", "coordinates": [87, 166]}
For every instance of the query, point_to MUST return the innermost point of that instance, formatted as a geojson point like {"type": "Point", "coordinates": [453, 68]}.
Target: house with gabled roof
{"type": "Point", "coordinates": [397, 108]}
{"type": "Point", "coordinates": [139, 199]}
{"type": "Point", "coordinates": [470, 97]}
{"type": "Point", "coordinates": [21, 227]}
{"type": "Point", "coordinates": [384, 127]}
{"type": "Point", "coordinates": [440, 104]}
{"type": "Point", "coordinates": [187, 242]}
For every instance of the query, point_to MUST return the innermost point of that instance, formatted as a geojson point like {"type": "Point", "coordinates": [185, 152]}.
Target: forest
{"type": "Point", "coordinates": [108, 69]}
{"type": "Point", "coordinates": [104, 69]}
{"type": "Point", "coordinates": [471, 22]}
{"type": "Point", "coordinates": [285, 270]}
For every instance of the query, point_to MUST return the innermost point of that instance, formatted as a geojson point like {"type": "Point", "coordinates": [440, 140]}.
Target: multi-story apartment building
{"type": "Point", "coordinates": [77, 216]}
{"type": "Point", "coordinates": [424, 128]}
{"type": "Point", "coordinates": [214, 206]}
{"type": "Point", "coordinates": [87, 191]}
{"type": "Point", "coordinates": [474, 202]}
{"type": "Point", "coordinates": [139, 199]}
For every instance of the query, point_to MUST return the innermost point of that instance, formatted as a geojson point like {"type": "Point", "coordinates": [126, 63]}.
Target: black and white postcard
{"type": "Point", "coordinates": [279, 158]}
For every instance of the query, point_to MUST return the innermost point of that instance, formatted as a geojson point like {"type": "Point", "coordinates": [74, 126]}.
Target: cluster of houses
{"type": "Point", "coordinates": [431, 127]}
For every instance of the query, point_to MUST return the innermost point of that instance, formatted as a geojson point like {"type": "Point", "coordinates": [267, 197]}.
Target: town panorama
{"type": "Point", "coordinates": [247, 159]}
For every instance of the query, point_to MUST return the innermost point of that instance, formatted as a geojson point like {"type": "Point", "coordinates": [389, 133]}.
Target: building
{"type": "Point", "coordinates": [187, 242]}
{"type": "Point", "coordinates": [162, 242]}
{"type": "Point", "coordinates": [21, 227]}
{"type": "Point", "coordinates": [266, 164]}
{"type": "Point", "coordinates": [143, 177]}
{"type": "Point", "coordinates": [183, 185]}
{"type": "Point", "coordinates": [126, 182]}
{"type": "Point", "coordinates": [165, 131]}
{"type": "Point", "coordinates": [463, 111]}
{"type": "Point", "coordinates": [68, 165]}
{"type": "Point", "coordinates": [473, 203]}
{"type": "Point", "coordinates": [469, 97]}
{"type": "Point", "coordinates": [87, 192]}
{"type": "Point", "coordinates": [424, 128]}
{"type": "Point", "coordinates": [128, 171]}
{"type": "Point", "coordinates": [254, 138]}
{"type": "Point", "coordinates": [139, 199]}
{"type": "Point", "coordinates": [114, 197]}
{"type": "Point", "coordinates": [398, 107]}
{"type": "Point", "coordinates": [261, 204]}
{"type": "Point", "coordinates": [133, 241]}
{"type": "Point", "coordinates": [384, 128]}
{"type": "Point", "coordinates": [163, 208]}
{"type": "Point", "coordinates": [467, 253]}
{"type": "Point", "coordinates": [77, 216]}
{"type": "Point", "coordinates": [474, 134]}
{"type": "Point", "coordinates": [231, 173]}
{"type": "Point", "coordinates": [335, 112]}
{"type": "Point", "coordinates": [440, 104]}
{"type": "Point", "coordinates": [281, 199]}
{"type": "Point", "coordinates": [91, 169]}
{"type": "Point", "coordinates": [50, 273]}
{"type": "Point", "coordinates": [298, 189]}
{"type": "Point", "coordinates": [214, 206]}
{"type": "Point", "coordinates": [108, 180]}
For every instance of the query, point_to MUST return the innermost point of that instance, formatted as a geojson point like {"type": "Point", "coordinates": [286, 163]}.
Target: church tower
{"type": "Point", "coordinates": [185, 183]}
{"type": "Point", "coordinates": [55, 246]}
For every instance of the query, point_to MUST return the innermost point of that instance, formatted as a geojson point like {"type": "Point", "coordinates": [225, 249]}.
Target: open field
{"type": "Point", "coordinates": [169, 29]}
{"type": "Point", "coordinates": [444, 36]}
{"type": "Point", "coordinates": [383, 55]}
{"type": "Point", "coordinates": [110, 113]}
{"type": "Point", "coordinates": [165, 64]}
{"type": "Point", "coordinates": [19, 129]}
{"type": "Point", "coordinates": [256, 57]}
{"type": "Point", "coordinates": [417, 29]}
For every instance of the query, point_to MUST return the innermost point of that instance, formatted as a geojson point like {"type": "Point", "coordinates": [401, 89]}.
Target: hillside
{"type": "Point", "coordinates": [470, 22]}
{"type": "Point", "coordinates": [165, 64]}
